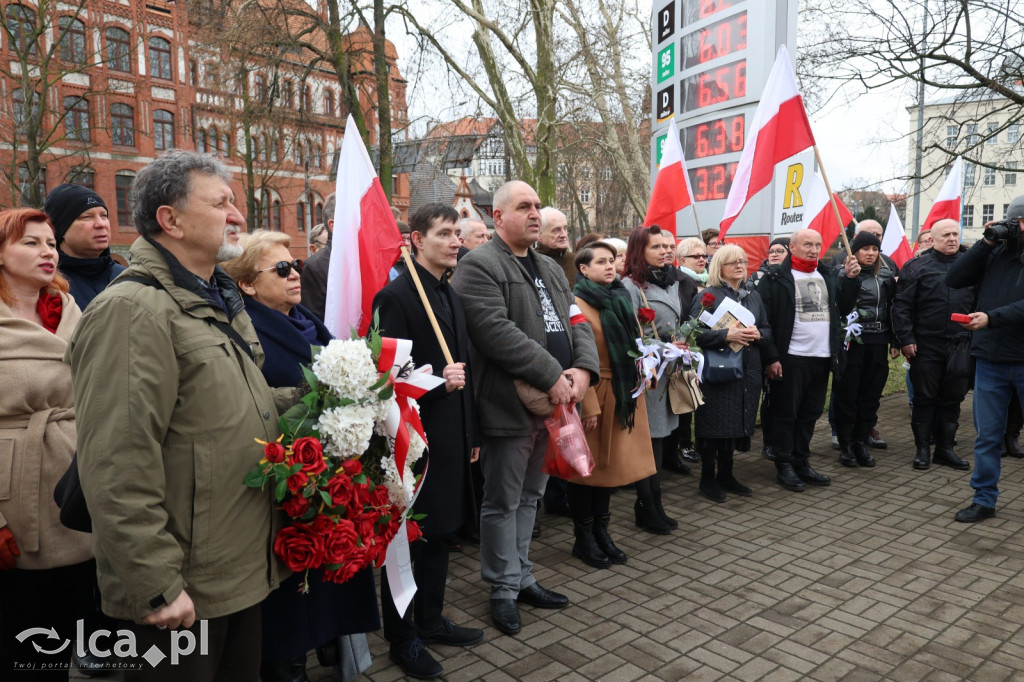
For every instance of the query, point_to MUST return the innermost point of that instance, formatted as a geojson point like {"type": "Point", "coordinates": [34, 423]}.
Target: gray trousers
{"type": "Point", "coordinates": [513, 483]}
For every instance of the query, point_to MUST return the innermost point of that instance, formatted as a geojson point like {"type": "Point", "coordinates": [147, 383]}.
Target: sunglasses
{"type": "Point", "coordinates": [700, 256]}
{"type": "Point", "coordinates": [283, 268]}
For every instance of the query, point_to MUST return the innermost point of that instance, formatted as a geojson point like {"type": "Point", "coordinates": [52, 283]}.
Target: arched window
{"type": "Point", "coordinates": [275, 215]}
{"type": "Point", "coordinates": [225, 144]}
{"type": "Point", "coordinates": [160, 59]}
{"type": "Point", "coordinates": [119, 50]}
{"type": "Point", "coordinates": [122, 183]}
{"type": "Point", "coordinates": [300, 215]}
{"type": "Point", "coordinates": [76, 118]}
{"type": "Point", "coordinates": [122, 125]}
{"type": "Point", "coordinates": [71, 34]}
{"type": "Point", "coordinates": [163, 129]}
{"type": "Point", "coordinates": [273, 148]}
{"type": "Point", "coordinates": [298, 153]}
{"type": "Point", "coordinates": [328, 103]}
{"type": "Point", "coordinates": [320, 213]}
{"type": "Point", "coordinates": [200, 140]}
{"type": "Point", "coordinates": [307, 98]}
{"type": "Point", "coordinates": [260, 86]}
{"type": "Point", "coordinates": [21, 29]}
{"type": "Point", "coordinates": [214, 139]}
{"type": "Point", "coordinates": [263, 147]}
{"type": "Point", "coordinates": [287, 94]}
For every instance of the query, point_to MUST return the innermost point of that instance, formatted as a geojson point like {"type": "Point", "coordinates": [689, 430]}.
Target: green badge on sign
{"type": "Point", "coordinates": [667, 62]}
{"type": "Point", "coordinates": [659, 146]}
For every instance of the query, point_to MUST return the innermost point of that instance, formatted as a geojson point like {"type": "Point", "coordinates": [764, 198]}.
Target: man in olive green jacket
{"type": "Point", "coordinates": [169, 398]}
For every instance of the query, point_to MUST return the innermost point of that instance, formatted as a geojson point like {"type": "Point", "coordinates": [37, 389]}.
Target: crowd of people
{"type": "Point", "coordinates": [151, 382]}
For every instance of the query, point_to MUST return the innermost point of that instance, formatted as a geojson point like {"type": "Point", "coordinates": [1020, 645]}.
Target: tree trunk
{"type": "Point", "coordinates": [380, 67]}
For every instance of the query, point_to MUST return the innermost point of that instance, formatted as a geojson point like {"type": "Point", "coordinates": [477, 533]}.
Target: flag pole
{"type": "Point", "coordinates": [832, 200]}
{"type": "Point", "coordinates": [426, 306]}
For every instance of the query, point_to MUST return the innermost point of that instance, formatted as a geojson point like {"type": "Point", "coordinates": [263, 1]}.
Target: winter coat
{"type": "Point", "coordinates": [999, 278]}
{"type": "Point", "coordinates": [314, 281]}
{"type": "Point", "coordinates": [168, 410]}
{"type": "Point", "coordinates": [37, 438]}
{"type": "Point", "coordinates": [874, 301]}
{"type": "Point", "coordinates": [564, 257]}
{"type": "Point", "coordinates": [506, 331]}
{"type": "Point", "coordinates": [621, 457]}
{"type": "Point", "coordinates": [924, 302]}
{"type": "Point", "coordinates": [449, 419]}
{"type": "Point", "coordinates": [284, 347]}
{"type": "Point", "coordinates": [88, 276]}
{"type": "Point", "coordinates": [730, 409]}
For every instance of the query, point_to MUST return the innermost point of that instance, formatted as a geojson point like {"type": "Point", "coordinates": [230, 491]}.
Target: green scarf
{"type": "Point", "coordinates": [620, 334]}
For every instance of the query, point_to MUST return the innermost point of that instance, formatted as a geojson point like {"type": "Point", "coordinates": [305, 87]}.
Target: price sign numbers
{"type": "Point", "coordinates": [666, 62]}
{"type": "Point", "coordinates": [711, 138]}
{"type": "Point", "coordinates": [695, 10]}
{"type": "Point", "coordinates": [666, 22]}
{"type": "Point", "coordinates": [712, 182]}
{"type": "Point", "coordinates": [716, 40]}
{"type": "Point", "coordinates": [665, 105]}
{"type": "Point", "coordinates": [721, 84]}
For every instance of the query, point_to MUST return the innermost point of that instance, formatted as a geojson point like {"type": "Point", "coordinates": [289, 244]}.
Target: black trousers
{"type": "Point", "coordinates": [937, 391]}
{"type": "Point", "coordinates": [651, 486]}
{"type": "Point", "coordinates": [768, 398]}
{"type": "Point", "coordinates": [799, 400]}
{"type": "Point", "coordinates": [587, 502]}
{"type": "Point", "coordinates": [1014, 418]}
{"type": "Point", "coordinates": [858, 390]}
{"type": "Point", "coordinates": [48, 598]}
{"type": "Point", "coordinates": [430, 569]}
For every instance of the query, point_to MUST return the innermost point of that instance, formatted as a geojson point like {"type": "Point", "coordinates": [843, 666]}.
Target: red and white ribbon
{"type": "Point", "coordinates": [409, 384]}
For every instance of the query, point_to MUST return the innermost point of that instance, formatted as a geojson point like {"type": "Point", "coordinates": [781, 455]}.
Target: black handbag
{"type": "Point", "coordinates": [722, 366]}
{"type": "Point", "coordinates": [68, 495]}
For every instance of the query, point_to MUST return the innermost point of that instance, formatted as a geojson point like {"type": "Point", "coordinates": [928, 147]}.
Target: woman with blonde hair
{"type": "Point", "coordinates": [692, 257]}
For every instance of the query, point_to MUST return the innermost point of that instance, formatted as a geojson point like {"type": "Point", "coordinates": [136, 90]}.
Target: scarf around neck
{"type": "Point", "coordinates": [620, 331]}
{"type": "Point", "coordinates": [804, 264]}
{"type": "Point", "coordinates": [664, 276]}
{"type": "Point", "coordinates": [699, 277]}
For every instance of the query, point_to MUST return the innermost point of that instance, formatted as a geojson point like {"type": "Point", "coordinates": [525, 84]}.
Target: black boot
{"type": "Point", "coordinates": [604, 540]}
{"type": "Point", "coordinates": [944, 454]}
{"type": "Point", "coordinates": [708, 485]}
{"type": "Point", "coordinates": [808, 475]}
{"type": "Point", "coordinates": [787, 477]}
{"type": "Point", "coordinates": [674, 462]}
{"type": "Point", "coordinates": [291, 670]}
{"type": "Point", "coordinates": [666, 519]}
{"type": "Point", "coordinates": [585, 548]}
{"type": "Point", "coordinates": [647, 516]}
{"type": "Point", "coordinates": [860, 452]}
{"type": "Point", "coordinates": [725, 478]}
{"type": "Point", "coordinates": [922, 441]}
{"type": "Point", "coordinates": [846, 456]}
{"type": "Point", "coordinates": [1011, 448]}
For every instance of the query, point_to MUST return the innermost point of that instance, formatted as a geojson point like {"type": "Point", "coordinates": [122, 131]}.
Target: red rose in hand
{"type": "Point", "coordinates": [296, 506]}
{"type": "Point", "coordinates": [413, 531]}
{"type": "Point", "coordinates": [297, 481]}
{"type": "Point", "coordinates": [274, 452]}
{"type": "Point", "coordinates": [707, 299]}
{"type": "Point", "coordinates": [310, 454]}
{"type": "Point", "coordinates": [340, 488]}
{"type": "Point", "coordinates": [645, 314]}
{"type": "Point", "coordinates": [340, 542]}
{"type": "Point", "coordinates": [299, 547]}
{"type": "Point", "coordinates": [352, 467]}
{"type": "Point", "coordinates": [322, 524]}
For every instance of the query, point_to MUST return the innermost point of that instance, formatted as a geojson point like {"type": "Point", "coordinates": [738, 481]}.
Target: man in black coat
{"type": "Point", "coordinates": [314, 270]}
{"type": "Point", "coordinates": [448, 419]}
{"type": "Point", "coordinates": [929, 340]}
{"type": "Point", "coordinates": [804, 299]}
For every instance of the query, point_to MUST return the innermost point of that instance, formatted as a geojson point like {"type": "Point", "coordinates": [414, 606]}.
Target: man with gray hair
{"type": "Point", "coordinates": [169, 397]}
{"type": "Point", "coordinates": [472, 233]}
{"type": "Point", "coordinates": [553, 241]}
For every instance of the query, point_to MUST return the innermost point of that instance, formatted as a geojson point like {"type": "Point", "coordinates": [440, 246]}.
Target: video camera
{"type": "Point", "coordinates": [1008, 230]}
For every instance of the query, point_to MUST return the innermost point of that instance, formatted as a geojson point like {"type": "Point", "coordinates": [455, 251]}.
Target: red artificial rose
{"type": "Point", "coordinates": [308, 452]}
{"type": "Point", "coordinates": [274, 452]}
{"type": "Point", "coordinates": [376, 553]}
{"type": "Point", "coordinates": [353, 562]}
{"type": "Point", "coordinates": [365, 523]}
{"type": "Point", "coordinates": [413, 531]}
{"type": "Point", "coordinates": [339, 542]}
{"type": "Point", "coordinates": [379, 497]}
{"type": "Point", "coordinates": [296, 506]}
{"type": "Point", "coordinates": [645, 314]}
{"type": "Point", "coordinates": [707, 299]}
{"type": "Point", "coordinates": [50, 308]}
{"type": "Point", "coordinates": [360, 496]}
{"type": "Point", "coordinates": [340, 487]}
{"type": "Point", "coordinates": [322, 524]}
{"type": "Point", "coordinates": [299, 547]}
{"type": "Point", "coordinates": [297, 481]}
{"type": "Point", "coordinates": [352, 467]}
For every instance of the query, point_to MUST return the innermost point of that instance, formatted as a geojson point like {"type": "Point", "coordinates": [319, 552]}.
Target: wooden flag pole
{"type": "Point", "coordinates": [426, 306]}
{"type": "Point", "coordinates": [832, 200]}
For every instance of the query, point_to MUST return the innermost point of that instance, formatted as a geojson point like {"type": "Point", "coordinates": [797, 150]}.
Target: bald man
{"type": "Point", "coordinates": [553, 241]}
{"type": "Point", "coordinates": [804, 347]}
{"type": "Point", "coordinates": [929, 339]}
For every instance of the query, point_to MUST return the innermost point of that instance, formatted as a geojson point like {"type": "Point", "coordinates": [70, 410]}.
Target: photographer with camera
{"type": "Point", "coordinates": [996, 265]}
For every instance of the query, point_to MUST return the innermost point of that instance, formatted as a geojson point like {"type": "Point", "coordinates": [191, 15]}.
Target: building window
{"type": "Point", "coordinates": [163, 129]}
{"type": "Point", "coordinates": [300, 215]}
{"type": "Point", "coordinates": [968, 217]}
{"type": "Point", "coordinates": [969, 174]}
{"type": "Point", "coordinates": [585, 172]}
{"type": "Point", "coordinates": [1006, 209]}
{"type": "Point", "coordinates": [952, 132]}
{"type": "Point", "coordinates": [261, 150]}
{"type": "Point", "coordinates": [25, 183]}
{"type": "Point", "coordinates": [193, 72]}
{"type": "Point", "coordinates": [275, 215]}
{"type": "Point", "coordinates": [1013, 133]}
{"type": "Point", "coordinates": [261, 89]}
{"type": "Point", "coordinates": [122, 183]}
{"type": "Point", "coordinates": [993, 133]}
{"type": "Point", "coordinates": [990, 177]}
{"type": "Point", "coordinates": [1010, 176]}
{"type": "Point", "coordinates": [71, 33]}
{"type": "Point", "coordinates": [315, 159]}
{"type": "Point", "coordinates": [307, 98]}
{"type": "Point", "coordinates": [82, 175]}
{"type": "Point", "coordinates": [76, 118]}
{"type": "Point", "coordinates": [200, 140]}
{"type": "Point", "coordinates": [319, 213]}
{"type": "Point", "coordinates": [21, 29]}
{"type": "Point", "coordinates": [211, 75]}
{"type": "Point", "coordinates": [585, 195]}
{"type": "Point", "coordinates": [328, 103]}
{"type": "Point", "coordinates": [606, 173]}
{"type": "Point", "coordinates": [272, 142]}
{"type": "Point", "coordinates": [214, 139]}
{"type": "Point", "coordinates": [122, 125]}
{"type": "Point", "coordinates": [160, 58]}
{"type": "Point", "coordinates": [972, 134]}
{"type": "Point", "coordinates": [225, 144]}
{"type": "Point", "coordinates": [287, 95]}
{"type": "Point", "coordinates": [18, 112]}
{"type": "Point", "coordinates": [988, 213]}
{"type": "Point", "coordinates": [119, 50]}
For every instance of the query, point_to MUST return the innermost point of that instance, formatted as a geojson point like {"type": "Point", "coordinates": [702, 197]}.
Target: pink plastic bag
{"type": "Point", "coordinates": [568, 455]}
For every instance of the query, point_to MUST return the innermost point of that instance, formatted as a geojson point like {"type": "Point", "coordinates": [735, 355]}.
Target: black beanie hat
{"type": "Point", "coordinates": [863, 239]}
{"type": "Point", "coordinates": [66, 202]}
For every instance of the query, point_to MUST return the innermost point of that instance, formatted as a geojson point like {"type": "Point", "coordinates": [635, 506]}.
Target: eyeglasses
{"type": "Point", "coordinates": [283, 268]}
{"type": "Point", "coordinates": [736, 262]}
{"type": "Point", "coordinates": [716, 243]}
{"type": "Point", "coordinates": [777, 252]}
{"type": "Point", "coordinates": [699, 256]}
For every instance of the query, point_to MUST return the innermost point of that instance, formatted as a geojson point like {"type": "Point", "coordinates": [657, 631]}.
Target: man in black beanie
{"type": "Point", "coordinates": [82, 226]}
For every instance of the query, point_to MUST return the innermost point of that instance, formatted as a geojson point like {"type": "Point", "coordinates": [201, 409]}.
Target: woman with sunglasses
{"type": "Point", "coordinates": [693, 258]}
{"type": "Point", "coordinates": [293, 623]}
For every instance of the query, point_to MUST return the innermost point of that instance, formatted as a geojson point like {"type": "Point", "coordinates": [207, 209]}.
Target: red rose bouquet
{"type": "Point", "coordinates": [342, 468]}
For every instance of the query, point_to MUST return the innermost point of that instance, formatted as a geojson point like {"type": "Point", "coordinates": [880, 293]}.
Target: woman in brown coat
{"type": "Point", "coordinates": [615, 422]}
{"type": "Point", "coordinates": [45, 569]}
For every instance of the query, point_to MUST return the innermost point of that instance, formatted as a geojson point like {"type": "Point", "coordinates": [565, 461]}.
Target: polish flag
{"type": "Point", "coordinates": [947, 204]}
{"type": "Point", "coordinates": [780, 129]}
{"type": "Point", "coordinates": [894, 241]}
{"type": "Point", "coordinates": [671, 192]}
{"type": "Point", "coordinates": [823, 216]}
{"type": "Point", "coordinates": [366, 241]}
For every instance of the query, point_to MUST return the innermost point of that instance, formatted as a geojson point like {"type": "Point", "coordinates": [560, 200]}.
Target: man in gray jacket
{"type": "Point", "coordinates": [517, 309]}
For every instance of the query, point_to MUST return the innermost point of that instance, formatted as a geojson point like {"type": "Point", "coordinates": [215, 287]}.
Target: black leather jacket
{"type": "Point", "coordinates": [924, 302]}
{"type": "Point", "coordinates": [874, 301]}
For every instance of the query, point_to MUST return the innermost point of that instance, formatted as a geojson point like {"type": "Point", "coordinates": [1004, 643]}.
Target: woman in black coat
{"type": "Point", "coordinates": [294, 623]}
{"type": "Point", "coordinates": [725, 422]}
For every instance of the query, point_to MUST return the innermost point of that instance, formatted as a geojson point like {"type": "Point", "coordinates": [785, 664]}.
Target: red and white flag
{"type": "Point", "coordinates": [671, 192]}
{"type": "Point", "coordinates": [365, 242]}
{"type": "Point", "coordinates": [947, 204]}
{"type": "Point", "coordinates": [780, 129]}
{"type": "Point", "coordinates": [819, 208]}
{"type": "Point", "coordinates": [894, 240]}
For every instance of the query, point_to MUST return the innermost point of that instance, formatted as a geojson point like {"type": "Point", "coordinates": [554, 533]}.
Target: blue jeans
{"type": "Point", "coordinates": [993, 386]}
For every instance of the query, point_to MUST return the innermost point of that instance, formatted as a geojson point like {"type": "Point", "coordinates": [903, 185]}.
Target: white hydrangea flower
{"type": "Point", "coordinates": [346, 367]}
{"type": "Point", "coordinates": [400, 491]}
{"type": "Point", "coordinates": [346, 430]}
{"type": "Point", "coordinates": [383, 409]}
{"type": "Point", "coordinates": [416, 448]}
